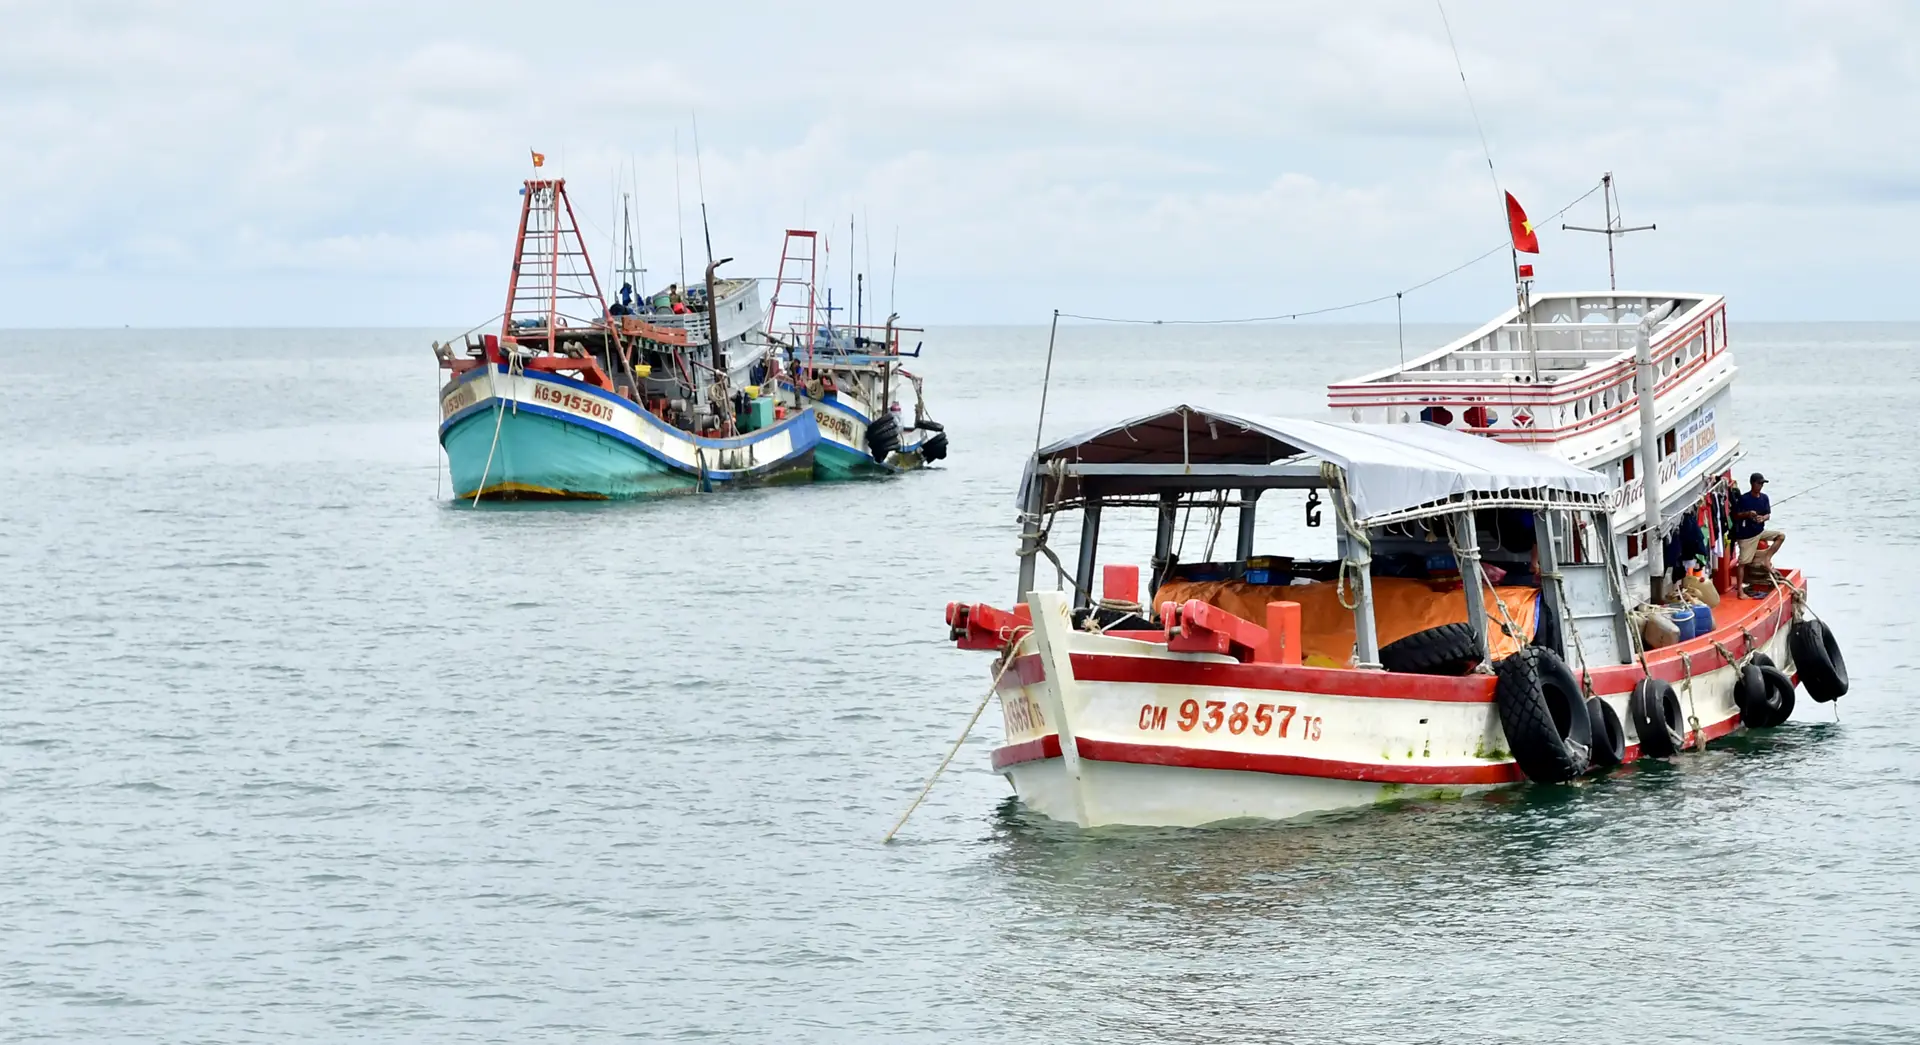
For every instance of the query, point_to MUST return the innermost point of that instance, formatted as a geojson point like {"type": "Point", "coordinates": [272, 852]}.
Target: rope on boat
{"type": "Point", "coordinates": [1056, 471]}
{"type": "Point", "coordinates": [1343, 510]}
{"type": "Point", "coordinates": [499, 415]}
{"type": "Point", "coordinates": [1006, 661]}
{"type": "Point", "coordinates": [1693, 719]}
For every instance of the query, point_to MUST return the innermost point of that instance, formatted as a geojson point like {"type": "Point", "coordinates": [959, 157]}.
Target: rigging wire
{"type": "Point", "coordinates": [1504, 245]}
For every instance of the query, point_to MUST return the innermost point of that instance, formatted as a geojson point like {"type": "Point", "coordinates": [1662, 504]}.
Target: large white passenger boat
{"type": "Point", "coordinates": [1557, 375]}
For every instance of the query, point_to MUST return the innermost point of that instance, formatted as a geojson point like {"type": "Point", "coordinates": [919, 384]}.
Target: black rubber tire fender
{"type": "Point", "coordinates": [935, 448]}
{"type": "Point", "coordinates": [1449, 649]}
{"type": "Point", "coordinates": [929, 425]}
{"type": "Point", "coordinates": [1750, 696]}
{"type": "Point", "coordinates": [1543, 715]}
{"type": "Point", "coordinates": [883, 437]}
{"type": "Point", "coordinates": [1657, 718]}
{"type": "Point", "coordinates": [1609, 736]}
{"type": "Point", "coordinates": [1816, 656]}
{"type": "Point", "coordinates": [1778, 704]}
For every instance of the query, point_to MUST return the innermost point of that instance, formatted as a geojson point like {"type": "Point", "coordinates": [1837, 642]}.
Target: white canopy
{"type": "Point", "coordinates": [1389, 469]}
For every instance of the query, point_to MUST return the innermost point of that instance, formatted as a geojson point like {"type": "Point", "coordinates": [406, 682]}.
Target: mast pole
{"type": "Point", "coordinates": [1606, 204]}
{"type": "Point", "coordinates": [1610, 199]}
{"type": "Point", "coordinates": [1645, 382]}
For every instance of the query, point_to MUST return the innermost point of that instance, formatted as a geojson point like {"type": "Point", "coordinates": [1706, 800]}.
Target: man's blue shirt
{"type": "Point", "coordinates": [1750, 502]}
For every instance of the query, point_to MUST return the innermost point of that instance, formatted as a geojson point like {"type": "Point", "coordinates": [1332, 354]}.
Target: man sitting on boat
{"type": "Point", "coordinates": [1754, 543]}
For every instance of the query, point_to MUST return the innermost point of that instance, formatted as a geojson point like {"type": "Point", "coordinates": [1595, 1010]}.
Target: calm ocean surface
{"type": "Point", "coordinates": [291, 748]}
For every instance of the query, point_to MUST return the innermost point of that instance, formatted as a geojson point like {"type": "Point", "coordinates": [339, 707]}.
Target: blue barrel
{"type": "Point", "coordinates": [1702, 620]}
{"type": "Point", "coordinates": [1682, 617]}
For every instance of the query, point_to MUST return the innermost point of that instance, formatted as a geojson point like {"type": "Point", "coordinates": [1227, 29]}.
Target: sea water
{"type": "Point", "coordinates": [294, 748]}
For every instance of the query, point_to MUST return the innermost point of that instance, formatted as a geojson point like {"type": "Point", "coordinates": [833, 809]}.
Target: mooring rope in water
{"type": "Point", "coordinates": [499, 415]}
{"type": "Point", "coordinates": [1005, 662]}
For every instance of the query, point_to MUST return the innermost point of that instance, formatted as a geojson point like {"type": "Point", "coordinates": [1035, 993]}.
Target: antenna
{"type": "Point", "coordinates": [895, 274]}
{"type": "Point", "coordinates": [700, 176]}
{"type": "Point", "coordinates": [1521, 292]}
{"type": "Point", "coordinates": [1610, 199]}
{"type": "Point", "coordinates": [679, 209]}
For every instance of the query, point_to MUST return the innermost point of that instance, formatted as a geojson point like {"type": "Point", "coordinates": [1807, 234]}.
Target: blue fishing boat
{"type": "Point", "coordinates": [572, 399]}
{"type": "Point", "coordinates": [851, 376]}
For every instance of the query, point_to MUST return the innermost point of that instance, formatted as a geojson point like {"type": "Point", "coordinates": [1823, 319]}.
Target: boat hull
{"type": "Point", "coordinates": [1105, 731]}
{"type": "Point", "coordinates": [523, 435]}
{"type": "Point", "coordinates": [843, 453]}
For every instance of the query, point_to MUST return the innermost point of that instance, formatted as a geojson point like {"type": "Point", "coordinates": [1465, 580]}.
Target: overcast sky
{"type": "Point", "coordinates": [247, 163]}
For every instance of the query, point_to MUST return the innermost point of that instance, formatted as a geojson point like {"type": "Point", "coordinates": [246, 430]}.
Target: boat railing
{"type": "Point", "coordinates": [1482, 387]}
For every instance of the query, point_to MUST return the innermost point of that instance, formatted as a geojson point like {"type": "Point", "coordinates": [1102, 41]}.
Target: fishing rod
{"type": "Point", "coordinates": [1816, 486]}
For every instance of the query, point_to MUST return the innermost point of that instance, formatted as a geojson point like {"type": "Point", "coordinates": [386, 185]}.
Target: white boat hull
{"type": "Point", "coordinates": [1104, 731]}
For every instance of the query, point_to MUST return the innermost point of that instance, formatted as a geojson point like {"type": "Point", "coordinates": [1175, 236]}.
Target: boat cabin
{"type": "Point", "coordinates": [1449, 551]}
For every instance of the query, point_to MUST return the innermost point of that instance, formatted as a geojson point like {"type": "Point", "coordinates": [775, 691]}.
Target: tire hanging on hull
{"type": "Point", "coordinates": [1817, 657]}
{"type": "Point", "coordinates": [1543, 715]}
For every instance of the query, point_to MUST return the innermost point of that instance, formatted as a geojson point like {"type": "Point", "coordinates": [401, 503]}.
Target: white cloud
{"type": "Point", "coordinates": [1208, 157]}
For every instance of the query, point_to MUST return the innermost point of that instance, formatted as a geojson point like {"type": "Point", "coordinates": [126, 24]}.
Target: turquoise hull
{"type": "Point", "coordinates": [833, 462]}
{"type": "Point", "coordinates": [540, 456]}
{"type": "Point", "coordinates": [531, 451]}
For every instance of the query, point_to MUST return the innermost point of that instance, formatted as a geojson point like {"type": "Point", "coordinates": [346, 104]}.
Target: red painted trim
{"type": "Point", "coordinates": [1337, 682]}
{"type": "Point", "coordinates": [1035, 750]}
{"type": "Point", "coordinates": [1763, 621]}
{"type": "Point", "coordinates": [1296, 765]}
{"type": "Point", "coordinates": [1029, 670]}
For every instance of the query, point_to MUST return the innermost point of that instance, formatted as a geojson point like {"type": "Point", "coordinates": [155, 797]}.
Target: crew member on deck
{"type": "Point", "coordinates": [1754, 542]}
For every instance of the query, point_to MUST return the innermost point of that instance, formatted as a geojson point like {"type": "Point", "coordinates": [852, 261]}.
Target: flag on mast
{"type": "Point", "coordinates": [540, 159]}
{"type": "Point", "coordinates": [1524, 239]}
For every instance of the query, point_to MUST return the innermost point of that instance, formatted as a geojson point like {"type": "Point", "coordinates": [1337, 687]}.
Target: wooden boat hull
{"type": "Point", "coordinates": [843, 452]}
{"type": "Point", "coordinates": [528, 435]}
{"type": "Point", "coordinates": [1160, 738]}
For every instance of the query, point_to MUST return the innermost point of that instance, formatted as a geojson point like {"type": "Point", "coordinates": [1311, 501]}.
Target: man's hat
{"type": "Point", "coordinates": [1757, 478]}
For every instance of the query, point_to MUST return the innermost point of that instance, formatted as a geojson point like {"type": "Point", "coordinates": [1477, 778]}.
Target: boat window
{"type": "Point", "coordinates": [1481, 417]}
{"type": "Point", "coordinates": [1626, 469]}
{"type": "Point", "coordinates": [1579, 409]}
{"type": "Point", "coordinates": [1437, 415]}
{"type": "Point", "coordinates": [1670, 442]}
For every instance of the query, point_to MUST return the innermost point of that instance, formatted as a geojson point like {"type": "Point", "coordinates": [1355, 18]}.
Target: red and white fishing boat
{"type": "Point", "coordinates": [1471, 630]}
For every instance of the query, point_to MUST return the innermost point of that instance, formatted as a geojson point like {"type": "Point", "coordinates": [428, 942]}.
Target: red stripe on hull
{"type": "Point", "coordinates": [1036, 750]}
{"type": "Point", "coordinates": [1029, 670]}
{"type": "Point", "coordinates": [1296, 765]}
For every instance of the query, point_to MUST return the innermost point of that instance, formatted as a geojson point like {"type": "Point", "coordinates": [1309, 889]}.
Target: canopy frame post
{"type": "Point", "coordinates": [1366, 636]}
{"type": "Point", "coordinates": [1547, 572]}
{"type": "Point", "coordinates": [1089, 549]}
{"type": "Point", "coordinates": [1030, 535]}
{"type": "Point", "coordinates": [1473, 580]}
{"type": "Point", "coordinates": [1162, 543]}
{"type": "Point", "coordinates": [1243, 547]}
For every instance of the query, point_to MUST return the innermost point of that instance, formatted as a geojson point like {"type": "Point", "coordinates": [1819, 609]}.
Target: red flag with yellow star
{"type": "Point", "coordinates": [1524, 240]}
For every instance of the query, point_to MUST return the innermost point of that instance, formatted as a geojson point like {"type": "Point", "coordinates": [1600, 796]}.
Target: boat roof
{"type": "Point", "coordinates": [1390, 471]}
{"type": "Point", "coordinates": [1572, 332]}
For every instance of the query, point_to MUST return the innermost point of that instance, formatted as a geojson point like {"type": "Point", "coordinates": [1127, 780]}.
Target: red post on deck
{"type": "Point", "coordinates": [1283, 634]}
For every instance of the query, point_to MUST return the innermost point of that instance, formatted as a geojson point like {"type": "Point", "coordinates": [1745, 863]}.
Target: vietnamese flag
{"type": "Point", "coordinates": [540, 159]}
{"type": "Point", "coordinates": [1524, 240]}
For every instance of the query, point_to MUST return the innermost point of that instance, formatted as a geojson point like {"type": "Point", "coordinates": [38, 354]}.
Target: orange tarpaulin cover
{"type": "Point", "coordinates": [1401, 607]}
